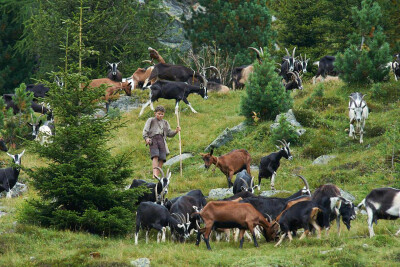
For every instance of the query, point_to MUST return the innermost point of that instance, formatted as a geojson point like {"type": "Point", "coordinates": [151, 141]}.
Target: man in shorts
{"type": "Point", "coordinates": [155, 132]}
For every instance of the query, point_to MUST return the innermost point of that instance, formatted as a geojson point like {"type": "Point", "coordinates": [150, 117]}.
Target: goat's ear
{"type": "Point", "coordinates": [288, 144]}
{"type": "Point", "coordinates": [30, 124]}
{"type": "Point", "coordinates": [180, 225]}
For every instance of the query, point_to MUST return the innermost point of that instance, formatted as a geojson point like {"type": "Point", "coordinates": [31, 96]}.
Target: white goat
{"type": "Point", "coordinates": [358, 113]}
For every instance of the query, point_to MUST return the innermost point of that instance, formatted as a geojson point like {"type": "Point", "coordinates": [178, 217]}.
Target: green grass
{"type": "Point", "coordinates": [357, 169]}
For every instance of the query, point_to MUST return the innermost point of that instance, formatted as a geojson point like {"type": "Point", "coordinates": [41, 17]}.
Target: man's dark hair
{"type": "Point", "coordinates": [159, 108]}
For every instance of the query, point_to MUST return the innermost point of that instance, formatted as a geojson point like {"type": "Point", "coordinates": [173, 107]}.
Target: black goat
{"type": "Point", "coordinates": [273, 206]}
{"type": "Point", "coordinates": [301, 65]}
{"type": "Point", "coordinates": [325, 67]}
{"type": "Point", "coordinates": [158, 191]}
{"type": "Point", "coordinates": [174, 90]}
{"type": "Point", "coordinates": [381, 203]}
{"type": "Point", "coordinates": [333, 205]}
{"type": "Point", "coordinates": [243, 182]}
{"type": "Point", "coordinates": [287, 65]}
{"type": "Point", "coordinates": [295, 81]}
{"type": "Point", "coordinates": [270, 164]}
{"type": "Point", "coordinates": [197, 194]}
{"type": "Point", "coordinates": [38, 90]}
{"type": "Point", "coordinates": [9, 176]}
{"type": "Point", "coordinates": [114, 74]}
{"type": "Point", "coordinates": [153, 216]}
{"type": "Point", "coordinates": [396, 69]}
{"type": "Point", "coordinates": [10, 104]}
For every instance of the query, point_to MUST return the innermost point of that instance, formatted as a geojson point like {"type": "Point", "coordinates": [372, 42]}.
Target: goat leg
{"type": "Point", "coordinates": [280, 240]}
{"type": "Point", "coordinates": [273, 181]}
{"type": "Point", "coordinates": [241, 237]}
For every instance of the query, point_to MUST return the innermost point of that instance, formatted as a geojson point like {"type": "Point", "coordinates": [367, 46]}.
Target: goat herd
{"type": "Point", "coordinates": [269, 216]}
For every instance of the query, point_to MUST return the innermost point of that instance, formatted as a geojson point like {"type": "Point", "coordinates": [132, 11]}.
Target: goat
{"type": "Point", "coordinates": [217, 87]}
{"type": "Point", "coordinates": [228, 214]}
{"type": "Point", "coordinates": [9, 176]}
{"type": "Point", "coordinates": [3, 146]}
{"type": "Point", "coordinates": [112, 89]}
{"type": "Point", "coordinates": [287, 65]}
{"type": "Point", "coordinates": [41, 132]}
{"type": "Point", "coordinates": [333, 205]}
{"type": "Point", "coordinates": [230, 163]}
{"type": "Point", "coordinates": [241, 74]}
{"type": "Point", "coordinates": [174, 90]}
{"type": "Point", "coordinates": [381, 203]}
{"type": "Point", "coordinates": [38, 90]}
{"type": "Point", "coordinates": [270, 164]}
{"type": "Point", "coordinates": [153, 216]}
{"type": "Point", "coordinates": [301, 65]}
{"type": "Point", "coordinates": [158, 191]}
{"type": "Point", "coordinates": [140, 77]}
{"type": "Point", "coordinates": [300, 215]}
{"type": "Point", "coordinates": [273, 206]}
{"type": "Point", "coordinates": [35, 107]}
{"type": "Point", "coordinates": [295, 81]}
{"type": "Point", "coordinates": [358, 113]}
{"type": "Point", "coordinates": [396, 70]}
{"type": "Point", "coordinates": [154, 55]}
{"type": "Point", "coordinates": [242, 195]}
{"type": "Point", "coordinates": [114, 74]}
{"type": "Point", "coordinates": [325, 67]}
{"type": "Point", "coordinates": [243, 182]}
{"type": "Point", "coordinates": [196, 194]}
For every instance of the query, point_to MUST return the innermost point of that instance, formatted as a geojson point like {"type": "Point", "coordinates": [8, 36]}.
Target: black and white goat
{"type": "Point", "coordinates": [243, 182]}
{"type": "Point", "coordinates": [270, 164]}
{"type": "Point", "coordinates": [41, 133]}
{"type": "Point", "coordinates": [174, 90]}
{"type": "Point", "coordinates": [295, 81]}
{"type": "Point", "coordinates": [153, 216]}
{"type": "Point", "coordinates": [9, 176]}
{"type": "Point", "coordinates": [381, 203]}
{"type": "Point", "coordinates": [158, 191]}
{"type": "Point", "coordinates": [114, 74]}
{"type": "Point", "coordinates": [396, 70]}
{"type": "Point", "coordinates": [325, 67]}
{"type": "Point", "coordinates": [301, 65]}
{"type": "Point", "coordinates": [358, 113]}
{"type": "Point", "coordinates": [287, 65]}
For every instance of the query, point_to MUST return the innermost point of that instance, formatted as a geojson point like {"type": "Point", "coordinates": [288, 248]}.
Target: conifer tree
{"type": "Point", "coordinates": [265, 94]}
{"type": "Point", "coordinates": [366, 58]}
{"type": "Point", "coordinates": [233, 25]}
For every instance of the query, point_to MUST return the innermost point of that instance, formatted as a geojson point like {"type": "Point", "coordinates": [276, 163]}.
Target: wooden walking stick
{"type": "Point", "coordinates": [180, 143]}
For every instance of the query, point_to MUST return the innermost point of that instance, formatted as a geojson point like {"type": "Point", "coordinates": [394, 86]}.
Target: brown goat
{"type": "Point", "coordinates": [112, 89]}
{"type": "Point", "coordinates": [230, 163]}
{"type": "Point", "coordinates": [141, 75]}
{"type": "Point", "coordinates": [228, 214]}
{"type": "Point", "coordinates": [154, 55]}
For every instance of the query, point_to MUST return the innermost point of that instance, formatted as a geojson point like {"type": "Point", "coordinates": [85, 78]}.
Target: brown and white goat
{"type": "Point", "coordinates": [228, 214]}
{"type": "Point", "coordinates": [141, 76]}
{"type": "Point", "coordinates": [241, 74]}
{"type": "Point", "coordinates": [230, 163]}
{"type": "Point", "coordinates": [112, 89]}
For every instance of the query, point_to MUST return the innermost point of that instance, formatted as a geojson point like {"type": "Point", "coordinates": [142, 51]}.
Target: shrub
{"type": "Point", "coordinates": [306, 117]}
{"type": "Point", "coordinates": [285, 131]}
{"type": "Point", "coordinates": [320, 145]}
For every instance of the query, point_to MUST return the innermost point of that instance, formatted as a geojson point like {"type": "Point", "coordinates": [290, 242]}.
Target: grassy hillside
{"type": "Point", "coordinates": [357, 169]}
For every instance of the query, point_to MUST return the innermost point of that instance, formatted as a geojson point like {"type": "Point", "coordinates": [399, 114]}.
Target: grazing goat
{"type": "Point", "coordinates": [273, 206]}
{"type": "Point", "coordinates": [270, 164]}
{"type": "Point", "coordinates": [295, 81]}
{"type": "Point", "coordinates": [301, 65]}
{"type": "Point", "coordinates": [35, 107]}
{"type": "Point", "coordinates": [112, 89]}
{"type": "Point", "coordinates": [158, 191]}
{"type": "Point", "coordinates": [358, 113]}
{"type": "Point", "coordinates": [174, 90]}
{"type": "Point", "coordinates": [298, 216]}
{"type": "Point", "coordinates": [3, 146]}
{"type": "Point", "coordinates": [228, 214]}
{"type": "Point", "coordinates": [381, 203]}
{"type": "Point", "coordinates": [9, 176]}
{"type": "Point", "coordinates": [153, 216]}
{"type": "Point", "coordinates": [325, 67]}
{"type": "Point", "coordinates": [333, 205]}
{"type": "Point", "coordinates": [230, 163]}
{"type": "Point", "coordinates": [241, 74]}
{"type": "Point", "coordinates": [243, 182]}
{"type": "Point", "coordinates": [287, 65]}
{"type": "Point", "coordinates": [114, 74]}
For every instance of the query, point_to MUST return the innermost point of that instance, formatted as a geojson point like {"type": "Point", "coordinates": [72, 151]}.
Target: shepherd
{"type": "Point", "coordinates": [155, 132]}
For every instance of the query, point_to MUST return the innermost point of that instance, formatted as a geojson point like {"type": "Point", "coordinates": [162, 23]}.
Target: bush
{"type": "Point", "coordinates": [265, 94]}
{"type": "Point", "coordinates": [307, 117]}
{"type": "Point", "coordinates": [285, 131]}
{"type": "Point", "coordinates": [320, 145]}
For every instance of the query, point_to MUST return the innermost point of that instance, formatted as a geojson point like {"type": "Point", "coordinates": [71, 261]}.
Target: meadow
{"type": "Point", "coordinates": [321, 109]}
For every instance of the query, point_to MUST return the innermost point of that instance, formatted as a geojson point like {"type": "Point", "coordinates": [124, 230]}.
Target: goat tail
{"type": "Point", "coordinates": [316, 63]}
{"type": "Point", "coordinates": [362, 203]}
{"type": "Point", "coordinates": [314, 213]}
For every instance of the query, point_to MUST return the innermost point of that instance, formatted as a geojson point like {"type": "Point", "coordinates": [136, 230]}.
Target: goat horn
{"type": "Point", "coordinates": [197, 224]}
{"type": "Point", "coordinates": [285, 142]}
{"type": "Point", "coordinates": [156, 193]}
{"type": "Point", "coordinates": [363, 97]}
{"type": "Point", "coordinates": [270, 219]}
{"type": "Point", "coordinates": [188, 219]}
{"type": "Point", "coordinates": [108, 63]}
{"type": "Point", "coordinates": [294, 50]}
{"type": "Point", "coordinates": [305, 182]}
{"type": "Point", "coordinates": [162, 172]}
{"type": "Point", "coordinates": [147, 61]}
{"type": "Point", "coordinates": [262, 51]}
{"type": "Point", "coordinates": [32, 119]}
{"type": "Point", "coordinates": [301, 58]}
{"type": "Point", "coordinates": [281, 142]}
{"type": "Point", "coordinates": [245, 182]}
{"type": "Point", "coordinates": [352, 98]}
{"type": "Point", "coordinates": [287, 52]}
{"type": "Point", "coordinates": [216, 69]}
{"type": "Point", "coordinates": [255, 49]}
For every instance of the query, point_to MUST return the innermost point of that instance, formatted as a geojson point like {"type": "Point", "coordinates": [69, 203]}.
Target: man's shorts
{"type": "Point", "coordinates": [157, 148]}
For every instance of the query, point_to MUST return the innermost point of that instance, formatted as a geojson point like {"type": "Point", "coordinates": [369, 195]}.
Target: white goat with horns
{"type": "Point", "coordinates": [358, 113]}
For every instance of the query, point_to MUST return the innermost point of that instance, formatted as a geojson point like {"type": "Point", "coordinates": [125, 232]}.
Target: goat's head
{"type": "Point", "coordinates": [285, 148]}
{"type": "Point", "coordinates": [59, 81]}
{"type": "Point", "coordinates": [260, 53]}
{"type": "Point", "coordinates": [358, 105]}
{"type": "Point", "coordinates": [272, 232]}
{"type": "Point", "coordinates": [35, 124]}
{"type": "Point", "coordinates": [3, 146]}
{"type": "Point", "coordinates": [296, 79]}
{"type": "Point", "coordinates": [163, 183]}
{"type": "Point", "coordinates": [127, 86]}
{"type": "Point", "coordinates": [249, 188]}
{"type": "Point", "coordinates": [306, 189]}
{"type": "Point", "coordinates": [113, 67]}
{"type": "Point", "coordinates": [208, 158]}
{"type": "Point", "coordinates": [304, 63]}
{"type": "Point", "coordinates": [347, 211]}
{"type": "Point", "coordinates": [291, 59]}
{"type": "Point", "coordinates": [181, 228]}
{"type": "Point", "coordinates": [17, 157]}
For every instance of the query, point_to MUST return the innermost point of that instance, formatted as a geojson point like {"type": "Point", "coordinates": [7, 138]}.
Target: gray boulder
{"type": "Point", "coordinates": [125, 103]}
{"type": "Point", "coordinates": [17, 190]}
{"type": "Point", "coordinates": [176, 159]}
{"type": "Point", "coordinates": [225, 137]}
{"type": "Point", "coordinates": [142, 262]}
{"type": "Point", "coordinates": [291, 119]}
{"type": "Point", "coordinates": [347, 195]}
{"type": "Point", "coordinates": [324, 159]}
{"type": "Point", "coordinates": [270, 193]}
{"type": "Point", "coordinates": [219, 193]}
